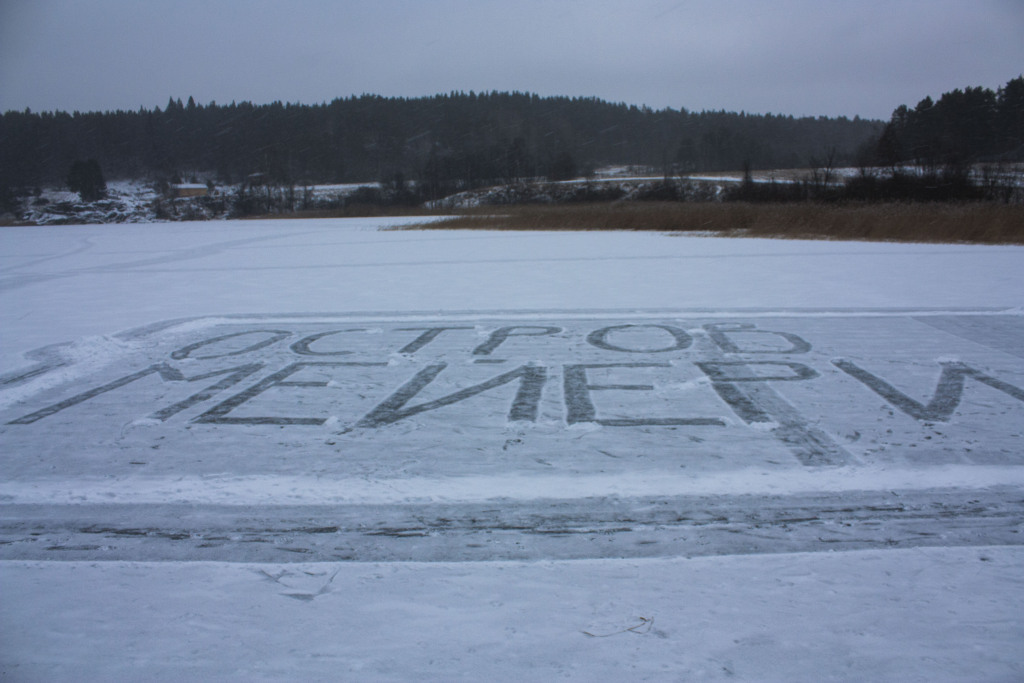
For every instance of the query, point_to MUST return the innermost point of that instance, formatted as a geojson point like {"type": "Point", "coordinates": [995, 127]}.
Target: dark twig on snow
{"type": "Point", "coordinates": [644, 624]}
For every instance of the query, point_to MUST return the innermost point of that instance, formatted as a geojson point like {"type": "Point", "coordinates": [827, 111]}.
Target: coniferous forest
{"type": "Point", "coordinates": [962, 127]}
{"type": "Point", "coordinates": [459, 139]}
{"type": "Point", "coordinates": [447, 143]}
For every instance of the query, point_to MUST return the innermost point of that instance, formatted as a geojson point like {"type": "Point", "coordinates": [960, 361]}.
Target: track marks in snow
{"type": "Point", "coordinates": [175, 256]}
{"type": "Point", "coordinates": [307, 580]}
{"type": "Point", "coordinates": [508, 529]}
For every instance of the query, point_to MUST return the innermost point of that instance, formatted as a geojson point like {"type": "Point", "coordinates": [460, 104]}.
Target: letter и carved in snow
{"type": "Point", "coordinates": [524, 405]}
{"type": "Point", "coordinates": [944, 400]}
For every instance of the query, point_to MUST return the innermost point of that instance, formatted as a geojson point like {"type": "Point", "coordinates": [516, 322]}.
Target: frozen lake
{"type": "Point", "coordinates": [311, 449]}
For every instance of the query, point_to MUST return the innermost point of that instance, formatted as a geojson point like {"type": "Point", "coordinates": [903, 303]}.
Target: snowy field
{"type": "Point", "coordinates": [320, 450]}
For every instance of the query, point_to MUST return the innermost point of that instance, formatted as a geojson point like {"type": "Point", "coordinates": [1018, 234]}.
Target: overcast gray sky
{"type": "Point", "coordinates": [801, 57]}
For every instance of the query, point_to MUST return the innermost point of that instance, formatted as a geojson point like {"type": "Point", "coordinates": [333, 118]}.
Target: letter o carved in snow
{"type": "Point", "coordinates": [599, 338]}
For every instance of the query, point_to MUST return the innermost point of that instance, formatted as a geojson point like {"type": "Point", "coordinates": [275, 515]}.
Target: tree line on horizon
{"type": "Point", "coordinates": [447, 143]}
{"type": "Point", "coordinates": [458, 140]}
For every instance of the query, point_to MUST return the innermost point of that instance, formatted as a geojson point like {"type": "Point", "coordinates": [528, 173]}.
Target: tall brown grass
{"type": "Point", "coordinates": [984, 223]}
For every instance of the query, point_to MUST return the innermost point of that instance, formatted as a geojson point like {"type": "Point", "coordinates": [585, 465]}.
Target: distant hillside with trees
{"type": "Point", "coordinates": [426, 148]}
{"type": "Point", "coordinates": [446, 142]}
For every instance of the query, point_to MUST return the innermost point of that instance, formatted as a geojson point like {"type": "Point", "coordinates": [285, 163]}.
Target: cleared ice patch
{"type": "Point", "coordinates": [277, 490]}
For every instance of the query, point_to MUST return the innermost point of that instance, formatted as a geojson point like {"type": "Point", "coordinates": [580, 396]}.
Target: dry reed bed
{"type": "Point", "coordinates": [984, 223]}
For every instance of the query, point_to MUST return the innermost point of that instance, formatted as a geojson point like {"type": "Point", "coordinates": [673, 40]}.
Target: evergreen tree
{"type": "Point", "coordinates": [86, 178]}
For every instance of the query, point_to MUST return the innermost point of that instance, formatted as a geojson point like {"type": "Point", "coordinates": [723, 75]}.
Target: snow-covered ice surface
{"type": "Point", "coordinates": [260, 450]}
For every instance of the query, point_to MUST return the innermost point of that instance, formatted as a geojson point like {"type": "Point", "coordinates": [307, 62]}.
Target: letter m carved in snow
{"type": "Point", "coordinates": [947, 394]}
{"type": "Point", "coordinates": [166, 373]}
